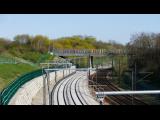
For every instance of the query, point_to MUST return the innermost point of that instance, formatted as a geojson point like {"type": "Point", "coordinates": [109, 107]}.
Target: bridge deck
{"type": "Point", "coordinates": [91, 52]}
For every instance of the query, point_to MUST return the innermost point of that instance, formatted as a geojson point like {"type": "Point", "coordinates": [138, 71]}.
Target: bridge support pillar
{"type": "Point", "coordinates": [91, 61]}
{"type": "Point", "coordinates": [90, 65]}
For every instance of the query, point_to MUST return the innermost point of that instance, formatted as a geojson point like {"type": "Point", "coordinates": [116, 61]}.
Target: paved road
{"type": "Point", "coordinates": [73, 90]}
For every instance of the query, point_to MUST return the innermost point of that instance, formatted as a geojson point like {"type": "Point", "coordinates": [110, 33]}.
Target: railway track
{"type": "Point", "coordinates": [71, 91]}
{"type": "Point", "coordinates": [117, 100]}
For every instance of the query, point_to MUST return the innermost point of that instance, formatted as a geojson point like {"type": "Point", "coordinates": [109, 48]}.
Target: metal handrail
{"type": "Point", "coordinates": [103, 94]}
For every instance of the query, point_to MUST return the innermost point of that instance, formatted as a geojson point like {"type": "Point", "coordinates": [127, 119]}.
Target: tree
{"type": "Point", "coordinates": [41, 43]}
{"type": "Point", "coordinates": [22, 39]}
{"type": "Point", "coordinates": [144, 50]}
{"type": "Point", "coordinates": [4, 44]}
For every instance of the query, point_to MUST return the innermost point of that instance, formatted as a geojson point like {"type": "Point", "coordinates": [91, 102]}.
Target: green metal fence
{"type": "Point", "coordinates": [9, 92]}
{"type": "Point", "coordinates": [7, 60]}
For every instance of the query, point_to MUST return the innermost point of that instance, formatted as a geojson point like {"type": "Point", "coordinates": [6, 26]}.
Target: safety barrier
{"type": "Point", "coordinates": [6, 60]}
{"type": "Point", "coordinates": [9, 92]}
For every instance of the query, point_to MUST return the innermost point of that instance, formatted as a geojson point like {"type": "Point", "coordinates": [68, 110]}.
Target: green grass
{"type": "Point", "coordinates": [9, 72]}
{"type": "Point", "coordinates": [102, 60]}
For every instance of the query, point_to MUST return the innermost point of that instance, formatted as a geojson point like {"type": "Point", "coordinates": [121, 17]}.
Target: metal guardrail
{"type": "Point", "coordinates": [10, 91]}
{"type": "Point", "coordinates": [7, 60]}
{"type": "Point", "coordinates": [103, 94]}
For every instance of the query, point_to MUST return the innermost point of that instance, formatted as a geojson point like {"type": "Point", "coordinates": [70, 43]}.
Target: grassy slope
{"type": "Point", "coordinates": [9, 72]}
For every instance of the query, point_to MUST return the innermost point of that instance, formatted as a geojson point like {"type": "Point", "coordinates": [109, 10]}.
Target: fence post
{"type": "Point", "coordinates": [55, 76]}
{"type": "Point", "coordinates": [63, 73]}
{"type": "Point", "coordinates": [69, 71]}
{"type": "Point", "coordinates": [0, 98]}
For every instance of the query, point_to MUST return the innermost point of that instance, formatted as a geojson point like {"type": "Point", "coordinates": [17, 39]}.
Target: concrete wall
{"type": "Point", "coordinates": [25, 95]}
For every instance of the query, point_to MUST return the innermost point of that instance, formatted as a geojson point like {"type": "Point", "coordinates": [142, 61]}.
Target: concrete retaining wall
{"type": "Point", "coordinates": [25, 95]}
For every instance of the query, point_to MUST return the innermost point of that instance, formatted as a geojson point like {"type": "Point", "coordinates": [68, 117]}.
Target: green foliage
{"type": "Point", "coordinates": [32, 56]}
{"type": "Point", "coordinates": [32, 48]}
{"type": "Point", "coordinates": [9, 72]}
{"type": "Point", "coordinates": [75, 42]}
{"type": "Point", "coordinates": [3, 44]}
{"type": "Point", "coordinates": [35, 49]}
{"type": "Point", "coordinates": [45, 58]}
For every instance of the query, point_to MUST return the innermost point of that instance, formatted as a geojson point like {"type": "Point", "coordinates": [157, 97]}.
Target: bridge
{"type": "Point", "coordinates": [90, 53]}
{"type": "Point", "coordinates": [87, 52]}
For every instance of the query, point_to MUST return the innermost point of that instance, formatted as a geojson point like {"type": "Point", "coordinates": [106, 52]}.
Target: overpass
{"type": "Point", "coordinates": [87, 52]}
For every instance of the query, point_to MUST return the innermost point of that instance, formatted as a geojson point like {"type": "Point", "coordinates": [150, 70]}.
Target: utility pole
{"type": "Point", "coordinates": [44, 88]}
{"type": "Point", "coordinates": [135, 75]}
{"type": "Point", "coordinates": [79, 63]}
{"type": "Point", "coordinates": [132, 86]}
{"type": "Point", "coordinates": [48, 81]}
{"type": "Point", "coordinates": [119, 70]}
{"type": "Point", "coordinates": [112, 67]}
{"type": "Point", "coordinates": [97, 77]}
{"type": "Point", "coordinates": [89, 64]}
{"type": "Point", "coordinates": [75, 61]}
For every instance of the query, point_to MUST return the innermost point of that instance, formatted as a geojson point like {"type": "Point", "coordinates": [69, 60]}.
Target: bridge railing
{"type": "Point", "coordinates": [86, 52]}
{"type": "Point", "coordinates": [10, 91]}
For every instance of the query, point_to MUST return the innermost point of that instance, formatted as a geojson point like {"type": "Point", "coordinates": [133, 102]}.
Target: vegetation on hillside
{"type": "Point", "coordinates": [143, 49]}
{"type": "Point", "coordinates": [28, 51]}
{"type": "Point", "coordinates": [34, 48]}
{"type": "Point", "coordinates": [145, 53]}
{"type": "Point", "coordinates": [9, 72]}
